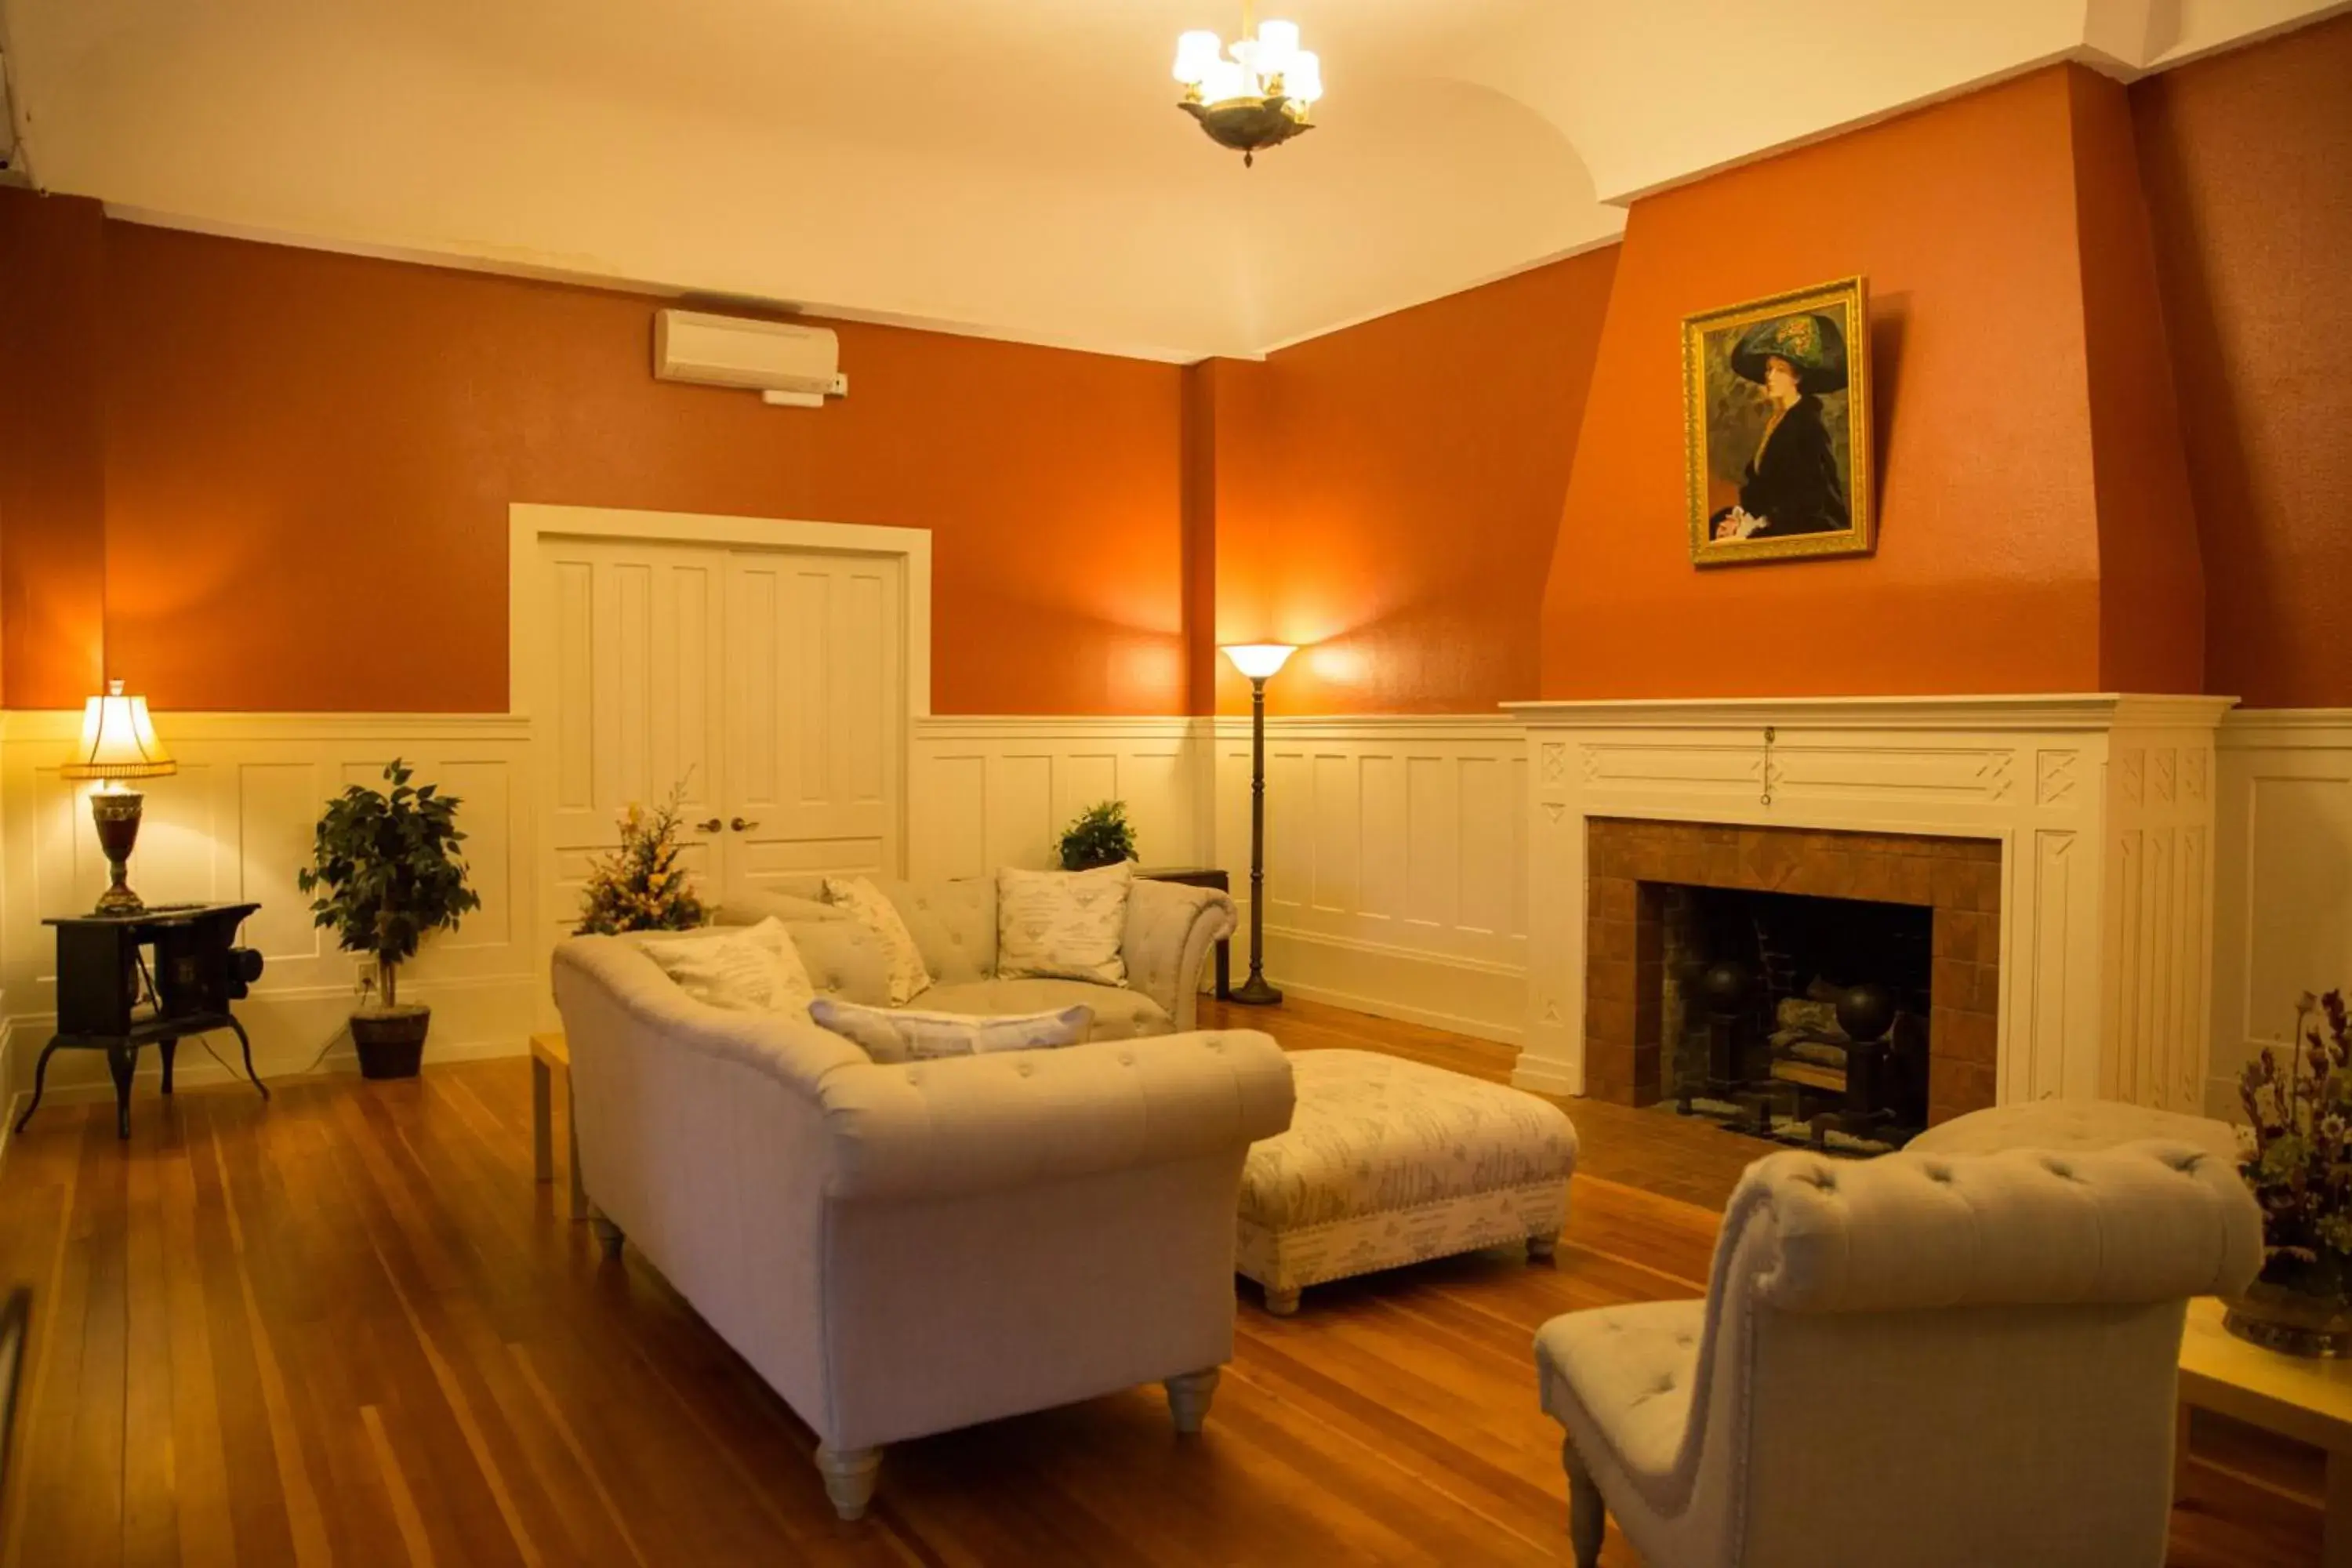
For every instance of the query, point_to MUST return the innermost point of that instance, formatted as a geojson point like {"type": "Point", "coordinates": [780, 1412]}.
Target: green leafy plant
{"type": "Point", "coordinates": [389, 867]}
{"type": "Point", "coordinates": [640, 884]}
{"type": "Point", "coordinates": [1100, 836]}
{"type": "Point", "coordinates": [2298, 1149]}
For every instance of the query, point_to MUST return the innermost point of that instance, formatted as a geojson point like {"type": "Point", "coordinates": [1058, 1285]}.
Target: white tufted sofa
{"type": "Point", "coordinates": [902, 1250]}
{"type": "Point", "coordinates": [1171, 933]}
{"type": "Point", "coordinates": [1913, 1360]}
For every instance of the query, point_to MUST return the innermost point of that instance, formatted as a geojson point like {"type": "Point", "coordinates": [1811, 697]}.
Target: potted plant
{"type": "Point", "coordinates": [385, 867]}
{"type": "Point", "coordinates": [640, 886]}
{"type": "Point", "coordinates": [2298, 1162]}
{"type": "Point", "coordinates": [1100, 836]}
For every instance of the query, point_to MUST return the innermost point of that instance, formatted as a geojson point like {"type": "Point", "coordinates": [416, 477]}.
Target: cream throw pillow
{"type": "Point", "coordinates": [745, 969]}
{"type": "Point", "coordinates": [911, 1036]}
{"type": "Point", "coordinates": [1065, 925]}
{"type": "Point", "coordinates": [872, 908]}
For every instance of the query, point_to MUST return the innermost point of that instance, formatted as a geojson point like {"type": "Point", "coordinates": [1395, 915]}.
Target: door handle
{"type": "Point", "coordinates": [713, 825]}
{"type": "Point", "coordinates": [739, 826]}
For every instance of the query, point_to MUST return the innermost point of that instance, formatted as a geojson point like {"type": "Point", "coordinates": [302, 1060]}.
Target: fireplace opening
{"type": "Point", "coordinates": [1796, 1018]}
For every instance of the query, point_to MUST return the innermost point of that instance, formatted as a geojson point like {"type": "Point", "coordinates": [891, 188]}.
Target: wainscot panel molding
{"type": "Point", "coordinates": [2282, 904]}
{"type": "Point", "coordinates": [2103, 805]}
{"type": "Point", "coordinates": [236, 823]}
{"type": "Point", "coordinates": [1395, 849]}
{"type": "Point", "coordinates": [1396, 863]}
{"type": "Point", "coordinates": [987, 791]}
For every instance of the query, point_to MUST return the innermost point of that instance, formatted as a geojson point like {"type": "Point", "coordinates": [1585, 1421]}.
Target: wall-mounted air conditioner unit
{"type": "Point", "coordinates": [795, 366]}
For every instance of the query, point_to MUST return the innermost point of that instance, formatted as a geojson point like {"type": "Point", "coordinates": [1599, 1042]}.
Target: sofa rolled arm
{"type": "Point", "coordinates": [1018, 1118]}
{"type": "Point", "coordinates": [1170, 929]}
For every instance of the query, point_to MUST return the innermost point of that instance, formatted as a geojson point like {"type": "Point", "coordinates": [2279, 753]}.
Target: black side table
{"type": "Point", "coordinates": [1202, 876]}
{"type": "Point", "coordinates": [109, 1000]}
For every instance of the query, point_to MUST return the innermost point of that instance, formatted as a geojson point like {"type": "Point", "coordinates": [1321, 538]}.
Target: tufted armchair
{"type": "Point", "coordinates": [1919, 1360]}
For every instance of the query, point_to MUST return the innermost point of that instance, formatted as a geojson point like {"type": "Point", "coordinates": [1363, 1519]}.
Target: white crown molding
{"type": "Point", "coordinates": [2303, 728]}
{"type": "Point", "coordinates": [1376, 726]}
{"type": "Point", "coordinates": [63, 724]}
{"type": "Point", "coordinates": [2058, 712]}
{"type": "Point", "coordinates": [1058, 726]}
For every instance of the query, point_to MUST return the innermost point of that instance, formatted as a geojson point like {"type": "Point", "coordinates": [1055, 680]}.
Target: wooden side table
{"type": "Point", "coordinates": [2307, 1401]}
{"type": "Point", "coordinates": [1202, 876]}
{"type": "Point", "coordinates": [549, 1055]}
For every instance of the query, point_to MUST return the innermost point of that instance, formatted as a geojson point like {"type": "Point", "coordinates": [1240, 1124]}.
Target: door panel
{"type": "Point", "coordinates": [815, 693]}
{"type": "Point", "coordinates": [634, 640]}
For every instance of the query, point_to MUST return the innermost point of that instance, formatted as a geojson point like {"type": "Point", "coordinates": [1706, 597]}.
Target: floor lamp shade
{"type": "Point", "coordinates": [118, 743]}
{"type": "Point", "coordinates": [1259, 661]}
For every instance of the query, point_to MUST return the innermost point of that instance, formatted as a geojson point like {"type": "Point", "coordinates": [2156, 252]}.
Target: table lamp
{"type": "Point", "coordinates": [118, 743]}
{"type": "Point", "coordinates": [1258, 661]}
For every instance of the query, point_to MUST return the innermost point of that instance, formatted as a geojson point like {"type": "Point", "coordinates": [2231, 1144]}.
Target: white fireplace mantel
{"type": "Point", "coordinates": [2103, 803]}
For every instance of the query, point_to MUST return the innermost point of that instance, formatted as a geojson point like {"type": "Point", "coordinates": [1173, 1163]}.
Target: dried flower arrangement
{"type": "Point", "coordinates": [640, 884]}
{"type": "Point", "coordinates": [2298, 1151]}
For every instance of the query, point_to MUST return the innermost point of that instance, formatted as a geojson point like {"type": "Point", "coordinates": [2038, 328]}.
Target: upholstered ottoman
{"type": "Point", "coordinates": [1389, 1162]}
{"type": "Point", "coordinates": [2074, 1124]}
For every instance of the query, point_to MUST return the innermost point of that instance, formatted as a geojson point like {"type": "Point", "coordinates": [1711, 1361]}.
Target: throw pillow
{"type": "Point", "coordinates": [911, 1036]}
{"type": "Point", "coordinates": [745, 969]}
{"type": "Point", "coordinates": [868, 905]}
{"type": "Point", "coordinates": [1063, 925]}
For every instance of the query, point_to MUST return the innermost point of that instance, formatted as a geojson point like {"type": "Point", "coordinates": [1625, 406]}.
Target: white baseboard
{"type": "Point", "coordinates": [194, 1069]}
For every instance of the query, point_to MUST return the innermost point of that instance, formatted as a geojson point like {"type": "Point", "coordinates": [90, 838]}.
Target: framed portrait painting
{"type": "Point", "coordinates": [1775, 414]}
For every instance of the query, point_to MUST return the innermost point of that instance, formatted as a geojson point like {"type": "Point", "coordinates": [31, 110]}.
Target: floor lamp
{"type": "Point", "coordinates": [1257, 660]}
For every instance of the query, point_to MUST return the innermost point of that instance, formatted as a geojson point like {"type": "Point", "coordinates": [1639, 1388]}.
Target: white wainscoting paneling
{"type": "Point", "coordinates": [1396, 847]}
{"type": "Point", "coordinates": [1396, 863]}
{"type": "Point", "coordinates": [236, 824]}
{"type": "Point", "coordinates": [2283, 893]}
{"type": "Point", "coordinates": [987, 792]}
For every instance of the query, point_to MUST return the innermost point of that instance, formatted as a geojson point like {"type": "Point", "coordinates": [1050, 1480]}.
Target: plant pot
{"type": "Point", "coordinates": [2297, 1322]}
{"type": "Point", "coordinates": [391, 1040]}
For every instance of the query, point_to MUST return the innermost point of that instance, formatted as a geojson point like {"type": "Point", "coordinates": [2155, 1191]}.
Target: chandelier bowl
{"type": "Point", "coordinates": [1248, 124]}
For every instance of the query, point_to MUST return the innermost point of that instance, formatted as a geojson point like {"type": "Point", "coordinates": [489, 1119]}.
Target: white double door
{"type": "Point", "coordinates": [771, 684]}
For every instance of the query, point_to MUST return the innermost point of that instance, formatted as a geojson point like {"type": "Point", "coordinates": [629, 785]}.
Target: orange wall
{"type": "Point", "coordinates": [2151, 583]}
{"type": "Point", "coordinates": [1987, 578]}
{"type": "Point", "coordinates": [2245, 158]}
{"type": "Point", "coordinates": [308, 460]}
{"type": "Point", "coordinates": [52, 447]}
{"type": "Point", "coordinates": [1405, 494]}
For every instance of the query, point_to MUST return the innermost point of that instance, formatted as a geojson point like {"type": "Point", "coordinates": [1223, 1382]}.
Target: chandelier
{"type": "Point", "coordinates": [1255, 94]}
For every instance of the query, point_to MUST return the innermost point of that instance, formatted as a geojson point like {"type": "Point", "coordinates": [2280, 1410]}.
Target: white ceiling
{"type": "Point", "coordinates": [1012, 167]}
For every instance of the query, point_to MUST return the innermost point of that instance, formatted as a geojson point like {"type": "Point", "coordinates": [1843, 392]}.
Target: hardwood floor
{"type": "Point", "coordinates": [349, 1327]}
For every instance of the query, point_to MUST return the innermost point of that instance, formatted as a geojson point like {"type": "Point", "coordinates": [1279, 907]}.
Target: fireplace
{"type": "Point", "coordinates": [2062, 845]}
{"type": "Point", "coordinates": [1917, 914]}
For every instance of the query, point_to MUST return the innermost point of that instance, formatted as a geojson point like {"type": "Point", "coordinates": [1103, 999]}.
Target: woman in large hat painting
{"type": "Point", "coordinates": [1792, 484]}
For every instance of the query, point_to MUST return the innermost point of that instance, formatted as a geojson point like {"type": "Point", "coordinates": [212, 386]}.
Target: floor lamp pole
{"type": "Point", "coordinates": [1255, 992]}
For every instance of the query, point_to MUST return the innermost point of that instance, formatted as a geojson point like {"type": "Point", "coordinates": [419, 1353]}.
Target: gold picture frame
{"type": "Point", "coordinates": [1778, 470]}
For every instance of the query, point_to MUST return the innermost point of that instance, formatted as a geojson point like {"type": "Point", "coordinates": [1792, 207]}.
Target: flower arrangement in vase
{"type": "Point", "coordinates": [640, 886]}
{"type": "Point", "coordinates": [2297, 1149]}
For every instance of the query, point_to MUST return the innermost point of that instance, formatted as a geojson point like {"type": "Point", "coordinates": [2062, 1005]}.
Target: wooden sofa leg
{"type": "Point", "coordinates": [849, 1475]}
{"type": "Point", "coordinates": [1281, 1303]}
{"type": "Point", "coordinates": [1542, 1248]}
{"type": "Point", "coordinates": [1588, 1517]}
{"type": "Point", "coordinates": [608, 1234]}
{"type": "Point", "coordinates": [1188, 1398]}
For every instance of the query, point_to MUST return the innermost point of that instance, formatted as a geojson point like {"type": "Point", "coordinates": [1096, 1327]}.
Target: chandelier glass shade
{"type": "Point", "coordinates": [1256, 92]}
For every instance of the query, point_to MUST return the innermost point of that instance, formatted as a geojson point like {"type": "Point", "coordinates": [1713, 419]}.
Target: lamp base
{"type": "Point", "coordinates": [116, 814]}
{"type": "Point", "coordinates": [1256, 993]}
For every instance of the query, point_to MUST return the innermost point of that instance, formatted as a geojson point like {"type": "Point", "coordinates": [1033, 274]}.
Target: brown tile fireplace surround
{"type": "Point", "coordinates": [1633, 864]}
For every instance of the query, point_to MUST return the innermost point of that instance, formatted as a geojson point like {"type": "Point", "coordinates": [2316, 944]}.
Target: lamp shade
{"type": "Point", "coordinates": [118, 740]}
{"type": "Point", "coordinates": [1259, 661]}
